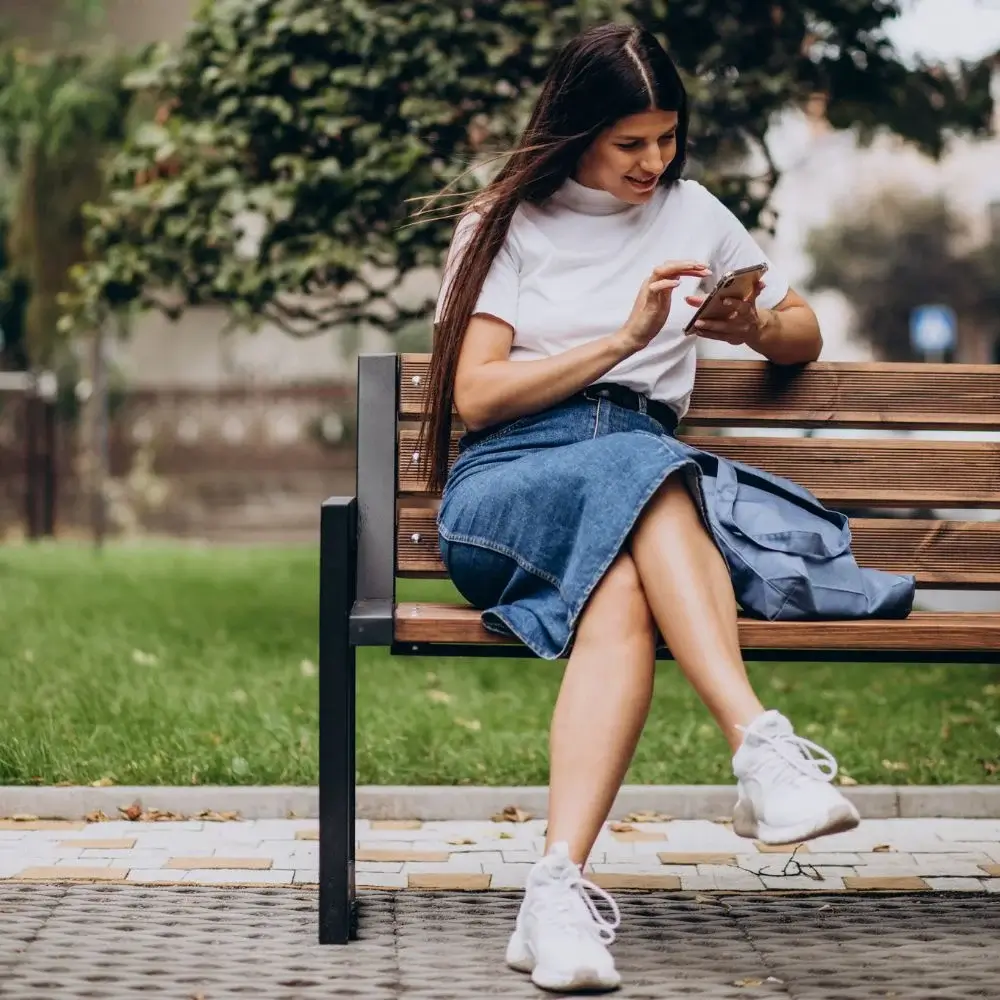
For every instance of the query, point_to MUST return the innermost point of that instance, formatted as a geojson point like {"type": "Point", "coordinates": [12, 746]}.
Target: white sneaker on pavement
{"type": "Point", "coordinates": [560, 937]}
{"type": "Point", "coordinates": [784, 786]}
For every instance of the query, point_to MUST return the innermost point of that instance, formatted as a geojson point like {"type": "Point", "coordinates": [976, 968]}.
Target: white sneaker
{"type": "Point", "coordinates": [560, 937]}
{"type": "Point", "coordinates": [784, 787]}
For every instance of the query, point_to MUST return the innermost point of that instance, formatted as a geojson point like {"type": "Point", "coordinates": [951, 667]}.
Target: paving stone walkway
{"type": "Point", "coordinates": [120, 942]}
{"type": "Point", "coordinates": [688, 855]}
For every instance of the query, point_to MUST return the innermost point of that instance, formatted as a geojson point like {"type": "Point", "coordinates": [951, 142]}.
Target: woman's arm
{"type": "Point", "coordinates": [787, 334]}
{"type": "Point", "coordinates": [489, 387]}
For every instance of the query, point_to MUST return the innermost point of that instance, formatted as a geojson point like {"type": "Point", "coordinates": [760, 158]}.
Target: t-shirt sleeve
{"type": "Point", "coordinates": [735, 247]}
{"type": "Point", "coordinates": [499, 295]}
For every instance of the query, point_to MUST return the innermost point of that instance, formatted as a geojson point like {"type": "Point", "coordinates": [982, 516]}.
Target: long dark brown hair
{"type": "Point", "coordinates": [599, 77]}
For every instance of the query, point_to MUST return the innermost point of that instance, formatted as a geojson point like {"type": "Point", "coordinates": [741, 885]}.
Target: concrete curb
{"type": "Point", "coordinates": [471, 803]}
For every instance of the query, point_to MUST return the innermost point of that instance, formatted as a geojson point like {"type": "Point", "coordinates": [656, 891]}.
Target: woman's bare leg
{"type": "Point", "coordinates": [601, 708]}
{"type": "Point", "coordinates": [689, 590]}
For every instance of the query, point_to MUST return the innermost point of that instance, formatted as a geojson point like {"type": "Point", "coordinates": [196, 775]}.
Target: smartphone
{"type": "Point", "coordinates": [736, 284]}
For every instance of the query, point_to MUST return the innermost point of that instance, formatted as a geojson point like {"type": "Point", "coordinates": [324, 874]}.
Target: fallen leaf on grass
{"type": "Point", "coordinates": [895, 765]}
{"type": "Point", "coordinates": [511, 814]}
{"type": "Point", "coordinates": [307, 668]}
{"type": "Point", "coordinates": [991, 766]}
{"type": "Point", "coordinates": [648, 817]}
{"type": "Point", "coordinates": [846, 781]}
{"type": "Point", "coordinates": [439, 697]}
{"type": "Point", "coordinates": [144, 659]}
{"type": "Point", "coordinates": [881, 849]}
{"type": "Point", "coordinates": [473, 725]}
{"type": "Point", "coordinates": [102, 783]}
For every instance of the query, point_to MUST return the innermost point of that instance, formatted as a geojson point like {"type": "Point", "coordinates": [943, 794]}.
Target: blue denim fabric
{"type": "Point", "coordinates": [535, 510]}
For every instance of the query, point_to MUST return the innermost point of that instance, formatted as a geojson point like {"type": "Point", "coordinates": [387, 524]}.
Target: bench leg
{"type": "Point", "coordinates": [338, 575]}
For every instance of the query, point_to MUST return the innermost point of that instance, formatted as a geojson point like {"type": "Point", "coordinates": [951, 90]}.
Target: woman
{"type": "Point", "coordinates": [569, 517]}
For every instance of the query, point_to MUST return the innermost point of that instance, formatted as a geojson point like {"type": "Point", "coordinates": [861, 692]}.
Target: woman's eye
{"type": "Point", "coordinates": [627, 145]}
{"type": "Point", "coordinates": [669, 138]}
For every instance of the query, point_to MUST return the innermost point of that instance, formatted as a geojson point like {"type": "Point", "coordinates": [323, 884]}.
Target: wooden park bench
{"type": "Point", "coordinates": [388, 531]}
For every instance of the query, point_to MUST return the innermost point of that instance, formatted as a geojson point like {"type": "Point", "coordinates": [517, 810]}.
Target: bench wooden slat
{"type": "Point", "coordinates": [930, 631]}
{"type": "Point", "coordinates": [946, 554]}
{"type": "Point", "coordinates": [825, 394]}
{"type": "Point", "coordinates": [841, 472]}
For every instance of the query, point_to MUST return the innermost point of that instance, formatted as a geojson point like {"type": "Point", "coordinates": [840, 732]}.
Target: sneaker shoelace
{"type": "Point", "coordinates": [807, 759]}
{"type": "Point", "coordinates": [563, 908]}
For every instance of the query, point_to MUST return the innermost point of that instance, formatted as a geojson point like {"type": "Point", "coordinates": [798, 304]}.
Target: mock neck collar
{"type": "Point", "coordinates": [589, 201]}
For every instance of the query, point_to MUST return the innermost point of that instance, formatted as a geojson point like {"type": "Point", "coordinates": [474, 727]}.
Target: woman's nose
{"type": "Point", "coordinates": [651, 161]}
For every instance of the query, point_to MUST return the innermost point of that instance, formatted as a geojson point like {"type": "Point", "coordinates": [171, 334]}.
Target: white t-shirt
{"type": "Point", "coordinates": [571, 268]}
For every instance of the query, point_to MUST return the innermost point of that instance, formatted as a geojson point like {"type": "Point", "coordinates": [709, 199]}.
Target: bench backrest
{"type": "Point", "coordinates": [753, 412]}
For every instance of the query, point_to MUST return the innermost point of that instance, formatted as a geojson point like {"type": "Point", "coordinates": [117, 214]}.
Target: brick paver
{"type": "Point", "coordinates": [892, 854]}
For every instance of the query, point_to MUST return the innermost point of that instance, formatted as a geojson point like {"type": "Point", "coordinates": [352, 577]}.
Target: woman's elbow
{"type": "Point", "coordinates": [469, 404]}
{"type": "Point", "coordinates": [816, 347]}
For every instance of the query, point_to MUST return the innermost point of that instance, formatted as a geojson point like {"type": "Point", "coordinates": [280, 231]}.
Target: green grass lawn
{"type": "Point", "coordinates": [188, 665]}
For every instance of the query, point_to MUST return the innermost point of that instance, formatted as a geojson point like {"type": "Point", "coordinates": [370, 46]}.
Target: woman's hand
{"type": "Point", "coordinates": [652, 304]}
{"type": "Point", "coordinates": [744, 323]}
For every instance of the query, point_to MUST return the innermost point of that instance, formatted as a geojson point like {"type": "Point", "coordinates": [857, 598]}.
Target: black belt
{"type": "Point", "coordinates": [621, 395]}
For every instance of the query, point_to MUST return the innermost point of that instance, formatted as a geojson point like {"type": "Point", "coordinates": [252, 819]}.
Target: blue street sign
{"type": "Point", "coordinates": [933, 329]}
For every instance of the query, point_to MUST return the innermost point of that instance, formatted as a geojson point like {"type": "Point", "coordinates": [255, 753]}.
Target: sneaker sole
{"type": "Point", "coordinates": [520, 959]}
{"type": "Point", "coordinates": [838, 820]}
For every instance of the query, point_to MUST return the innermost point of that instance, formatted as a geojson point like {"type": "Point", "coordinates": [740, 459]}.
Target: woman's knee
{"type": "Point", "coordinates": [620, 598]}
{"type": "Point", "coordinates": [671, 504]}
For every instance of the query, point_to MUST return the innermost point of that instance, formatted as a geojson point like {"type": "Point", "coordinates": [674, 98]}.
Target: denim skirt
{"type": "Point", "coordinates": [535, 511]}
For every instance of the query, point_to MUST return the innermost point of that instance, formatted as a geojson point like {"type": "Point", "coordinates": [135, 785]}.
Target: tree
{"type": "Point", "coordinates": [279, 178]}
{"type": "Point", "coordinates": [884, 259]}
{"type": "Point", "coordinates": [61, 110]}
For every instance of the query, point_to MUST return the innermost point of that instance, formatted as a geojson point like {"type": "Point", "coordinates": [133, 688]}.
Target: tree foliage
{"type": "Point", "coordinates": [60, 110]}
{"type": "Point", "coordinates": [293, 135]}
{"type": "Point", "coordinates": [904, 251]}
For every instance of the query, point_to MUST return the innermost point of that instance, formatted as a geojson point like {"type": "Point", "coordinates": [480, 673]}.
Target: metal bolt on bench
{"type": "Point", "coordinates": [368, 540]}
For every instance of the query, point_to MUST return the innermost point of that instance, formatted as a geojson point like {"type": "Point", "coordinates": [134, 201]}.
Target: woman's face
{"type": "Point", "coordinates": [628, 158]}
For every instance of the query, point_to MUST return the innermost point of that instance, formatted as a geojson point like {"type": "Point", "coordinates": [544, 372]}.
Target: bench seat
{"type": "Point", "coordinates": [928, 632]}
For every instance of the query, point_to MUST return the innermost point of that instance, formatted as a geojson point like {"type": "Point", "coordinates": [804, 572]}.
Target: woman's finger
{"type": "Point", "coordinates": [723, 328]}
{"type": "Point", "coordinates": [663, 285]}
{"type": "Point", "coordinates": [677, 268]}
